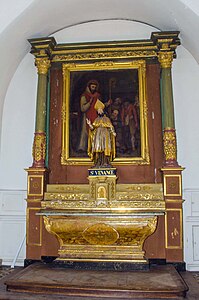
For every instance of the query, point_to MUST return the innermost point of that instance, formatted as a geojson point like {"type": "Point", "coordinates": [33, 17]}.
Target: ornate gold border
{"type": "Point", "coordinates": [180, 201]}
{"type": "Point", "coordinates": [143, 261]}
{"type": "Point", "coordinates": [181, 229]}
{"type": "Point", "coordinates": [180, 185]}
{"type": "Point", "coordinates": [140, 65]}
{"type": "Point", "coordinates": [28, 224]}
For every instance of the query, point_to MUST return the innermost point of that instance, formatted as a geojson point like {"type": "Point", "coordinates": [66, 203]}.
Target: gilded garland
{"type": "Point", "coordinates": [39, 147]}
{"type": "Point", "coordinates": [170, 147]}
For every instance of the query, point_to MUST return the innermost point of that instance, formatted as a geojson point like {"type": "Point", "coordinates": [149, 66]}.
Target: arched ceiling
{"type": "Point", "coordinates": [34, 18]}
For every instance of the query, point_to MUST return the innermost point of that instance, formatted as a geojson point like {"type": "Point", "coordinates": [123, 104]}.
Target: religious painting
{"type": "Point", "coordinates": [121, 88]}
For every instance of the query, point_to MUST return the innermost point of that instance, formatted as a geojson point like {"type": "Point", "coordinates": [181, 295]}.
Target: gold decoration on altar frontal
{"type": "Point", "coordinates": [165, 58]}
{"type": "Point", "coordinates": [39, 146]}
{"type": "Point", "coordinates": [43, 64]}
{"type": "Point", "coordinates": [107, 235]}
{"type": "Point", "coordinates": [124, 205]}
{"type": "Point", "coordinates": [170, 145]}
{"type": "Point", "coordinates": [102, 220]}
{"type": "Point", "coordinates": [103, 194]}
{"type": "Point", "coordinates": [101, 238]}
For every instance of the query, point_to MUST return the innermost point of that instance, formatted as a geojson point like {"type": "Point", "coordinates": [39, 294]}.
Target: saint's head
{"type": "Point", "coordinates": [93, 86]}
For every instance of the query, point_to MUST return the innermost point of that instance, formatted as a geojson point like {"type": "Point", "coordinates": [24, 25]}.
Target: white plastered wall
{"type": "Point", "coordinates": [19, 116]}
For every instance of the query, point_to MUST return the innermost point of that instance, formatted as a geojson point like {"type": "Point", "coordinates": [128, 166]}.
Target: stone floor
{"type": "Point", "coordinates": [4, 271]}
{"type": "Point", "coordinates": [191, 279]}
{"type": "Point", "coordinates": [196, 276]}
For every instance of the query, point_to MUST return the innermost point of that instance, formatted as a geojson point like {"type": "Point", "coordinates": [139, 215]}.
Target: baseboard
{"type": "Point", "coordinates": [193, 267]}
{"type": "Point", "coordinates": [8, 262]}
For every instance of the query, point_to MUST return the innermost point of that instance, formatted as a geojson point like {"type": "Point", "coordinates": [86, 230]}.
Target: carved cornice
{"type": "Point", "coordinates": [101, 51]}
{"type": "Point", "coordinates": [166, 40]}
{"type": "Point", "coordinates": [166, 43]}
{"type": "Point", "coordinates": [42, 47]}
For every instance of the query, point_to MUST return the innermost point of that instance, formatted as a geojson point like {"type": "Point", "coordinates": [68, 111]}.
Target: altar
{"type": "Point", "coordinates": [99, 229]}
{"type": "Point", "coordinates": [80, 206]}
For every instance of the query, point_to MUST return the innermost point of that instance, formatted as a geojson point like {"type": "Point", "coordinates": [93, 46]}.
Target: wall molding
{"type": "Point", "coordinates": [191, 228]}
{"type": "Point", "coordinates": [12, 225]}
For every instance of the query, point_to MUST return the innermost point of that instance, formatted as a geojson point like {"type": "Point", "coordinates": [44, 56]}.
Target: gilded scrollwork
{"type": "Point", "coordinates": [152, 223]}
{"type": "Point", "coordinates": [138, 196]}
{"type": "Point", "coordinates": [92, 204]}
{"type": "Point", "coordinates": [121, 196]}
{"type": "Point", "coordinates": [39, 147]}
{"type": "Point", "coordinates": [58, 204]}
{"type": "Point", "coordinates": [100, 234]}
{"type": "Point", "coordinates": [47, 223]}
{"type": "Point", "coordinates": [66, 196]}
{"type": "Point", "coordinates": [139, 205]}
{"type": "Point", "coordinates": [67, 188]}
{"type": "Point", "coordinates": [104, 55]}
{"type": "Point", "coordinates": [170, 145]}
{"type": "Point", "coordinates": [104, 64]}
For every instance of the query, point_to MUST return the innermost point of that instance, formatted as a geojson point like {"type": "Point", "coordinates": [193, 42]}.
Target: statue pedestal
{"type": "Point", "coordinates": [102, 184]}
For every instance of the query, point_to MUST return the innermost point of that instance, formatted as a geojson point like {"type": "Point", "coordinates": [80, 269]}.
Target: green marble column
{"type": "Point", "coordinates": [168, 122]}
{"type": "Point", "coordinates": [39, 145]}
{"type": "Point", "coordinates": [167, 99]}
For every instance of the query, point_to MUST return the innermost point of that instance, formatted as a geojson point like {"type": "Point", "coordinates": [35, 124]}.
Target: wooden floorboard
{"type": "Point", "coordinates": [192, 294]}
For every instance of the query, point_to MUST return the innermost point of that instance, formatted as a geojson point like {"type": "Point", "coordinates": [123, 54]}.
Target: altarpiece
{"type": "Point", "coordinates": [132, 211]}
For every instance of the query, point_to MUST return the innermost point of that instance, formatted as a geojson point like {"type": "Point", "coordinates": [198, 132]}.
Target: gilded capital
{"type": "Point", "coordinates": [43, 64]}
{"type": "Point", "coordinates": [165, 58]}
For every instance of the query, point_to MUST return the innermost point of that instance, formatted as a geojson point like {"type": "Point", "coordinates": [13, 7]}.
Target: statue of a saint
{"type": "Point", "coordinates": [101, 139]}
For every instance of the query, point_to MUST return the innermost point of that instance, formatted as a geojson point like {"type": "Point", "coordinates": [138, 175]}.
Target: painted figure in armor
{"type": "Point", "coordinates": [101, 139]}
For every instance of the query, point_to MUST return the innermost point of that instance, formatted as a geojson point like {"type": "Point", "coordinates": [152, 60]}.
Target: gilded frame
{"type": "Point", "coordinates": [68, 68]}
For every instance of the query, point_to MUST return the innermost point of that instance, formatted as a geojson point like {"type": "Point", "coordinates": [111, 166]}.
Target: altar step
{"type": "Point", "coordinates": [159, 282]}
